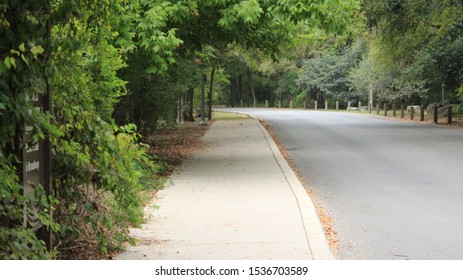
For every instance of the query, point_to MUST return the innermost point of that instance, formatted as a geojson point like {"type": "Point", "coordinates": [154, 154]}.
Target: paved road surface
{"type": "Point", "coordinates": [394, 188]}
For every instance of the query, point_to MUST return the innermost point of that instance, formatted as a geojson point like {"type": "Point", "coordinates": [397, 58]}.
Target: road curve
{"type": "Point", "coordinates": [395, 189]}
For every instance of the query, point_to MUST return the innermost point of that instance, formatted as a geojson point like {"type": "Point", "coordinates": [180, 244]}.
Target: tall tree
{"type": "Point", "coordinates": [418, 41]}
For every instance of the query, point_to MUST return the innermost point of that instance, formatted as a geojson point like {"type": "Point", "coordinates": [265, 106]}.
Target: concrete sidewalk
{"type": "Point", "coordinates": [237, 199]}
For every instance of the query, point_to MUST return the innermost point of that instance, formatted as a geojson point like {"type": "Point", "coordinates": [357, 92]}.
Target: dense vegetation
{"type": "Point", "coordinates": [119, 70]}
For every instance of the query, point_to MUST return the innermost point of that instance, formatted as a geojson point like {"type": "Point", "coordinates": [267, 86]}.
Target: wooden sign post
{"type": "Point", "coordinates": [36, 166]}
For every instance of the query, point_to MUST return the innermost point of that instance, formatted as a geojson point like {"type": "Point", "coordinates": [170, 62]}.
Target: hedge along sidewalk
{"type": "Point", "coordinates": [236, 199]}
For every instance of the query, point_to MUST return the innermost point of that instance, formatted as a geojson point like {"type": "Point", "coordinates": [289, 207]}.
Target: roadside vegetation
{"type": "Point", "coordinates": [123, 73]}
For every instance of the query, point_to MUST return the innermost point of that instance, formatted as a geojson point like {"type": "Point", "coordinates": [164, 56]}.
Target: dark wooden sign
{"type": "Point", "coordinates": [36, 166]}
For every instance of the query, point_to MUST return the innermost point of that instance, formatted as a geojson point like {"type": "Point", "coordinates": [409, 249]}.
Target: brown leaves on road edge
{"type": "Point", "coordinates": [325, 219]}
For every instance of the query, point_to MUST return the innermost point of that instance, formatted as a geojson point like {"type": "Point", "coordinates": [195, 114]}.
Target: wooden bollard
{"type": "Point", "coordinates": [348, 106]}
{"type": "Point", "coordinates": [402, 111]}
{"type": "Point", "coordinates": [369, 107]}
{"type": "Point", "coordinates": [394, 113]}
{"type": "Point", "coordinates": [326, 105]}
{"type": "Point", "coordinates": [377, 108]}
{"type": "Point", "coordinates": [412, 112]}
{"type": "Point", "coordinates": [337, 106]}
{"type": "Point", "coordinates": [291, 104]}
{"type": "Point", "coordinates": [305, 105]}
{"type": "Point", "coordinates": [385, 109]}
{"type": "Point", "coordinates": [360, 106]}
{"type": "Point", "coordinates": [436, 113]}
{"type": "Point", "coordinates": [422, 113]}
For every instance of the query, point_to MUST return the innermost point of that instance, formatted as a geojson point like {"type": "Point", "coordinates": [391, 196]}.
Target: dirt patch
{"type": "Point", "coordinates": [325, 219]}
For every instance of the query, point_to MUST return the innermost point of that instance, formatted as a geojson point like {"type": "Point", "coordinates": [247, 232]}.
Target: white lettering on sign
{"type": "Point", "coordinates": [32, 148]}
{"type": "Point", "coordinates": [31, 166]}
{"type": "Point", "coordinates": [32, 97]}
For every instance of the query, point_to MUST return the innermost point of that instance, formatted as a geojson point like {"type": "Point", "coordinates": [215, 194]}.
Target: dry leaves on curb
{"type": "Point", "coordinates": [325, 219]}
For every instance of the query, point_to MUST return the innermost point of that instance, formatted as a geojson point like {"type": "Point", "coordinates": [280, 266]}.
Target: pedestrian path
{"type": "Point", "coordinates": [237, 199]}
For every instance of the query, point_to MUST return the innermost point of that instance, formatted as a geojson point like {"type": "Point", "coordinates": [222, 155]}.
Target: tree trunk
{"type": "Point", "coordinates": [416, 99]}
{"type": "Point", "coordinates": [240, 85]}
{"type": "Point", "coordinates": [251, 88]}
{"type": "Point", "coordinates": [271, 96]}
{"type": "Point", "coordinates": [232, 91]}
{"type": "Point", "coordinates": [177, 119]}
{"type": "Point", "coordinates": [209, 97]}
{"type": "Point", "coordinates": [182, 109]}
{"type": "Point", "coordinates": [370, 96]}
{"type": "Point", "coordinates": [190, 117]}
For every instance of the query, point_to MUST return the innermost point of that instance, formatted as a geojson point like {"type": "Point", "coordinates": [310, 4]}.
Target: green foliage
{"type": "Point", "coordinates": [97, 166]}
{"type": "Point", "coordinates": [152, 98]}
{"type": "Point", "coordinates": [98, 183]}
{"type": "Point", "coordinates": [417, 45]}
{"type": "Point", "coordinates": [17, 241]}
{"type": "Point", "coordinates": [328, 75]}
{"type": "Point", "coordinates": [22, 75]}
{"type": "Point", "coordinates": [153, 38]}
{"type": "Point", "coordinates": [361, 79]}
{"type": "Point", "coordinates": [176, 31]}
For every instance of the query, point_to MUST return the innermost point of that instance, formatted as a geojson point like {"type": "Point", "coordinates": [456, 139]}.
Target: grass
{"type": "Point", "coordinates": [221, 116]}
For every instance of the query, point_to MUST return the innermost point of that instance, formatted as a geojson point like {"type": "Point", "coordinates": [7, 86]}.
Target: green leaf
{"type": "Point", "coordinates": [24, 59]}
{"type": "Point", "coordinates": [37, 50]}
{"type": "Point", "coordinates": [13, 61]}
{"type": "Point", "coordinates": [7, 62]}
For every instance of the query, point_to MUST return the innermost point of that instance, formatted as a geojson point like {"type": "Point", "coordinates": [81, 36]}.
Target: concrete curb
{"type": "Point", "coordinates": [314, 230]}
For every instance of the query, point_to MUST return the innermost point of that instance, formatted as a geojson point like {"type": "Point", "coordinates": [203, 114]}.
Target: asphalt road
{"type": "Point", "coordinates": [395, 189]}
